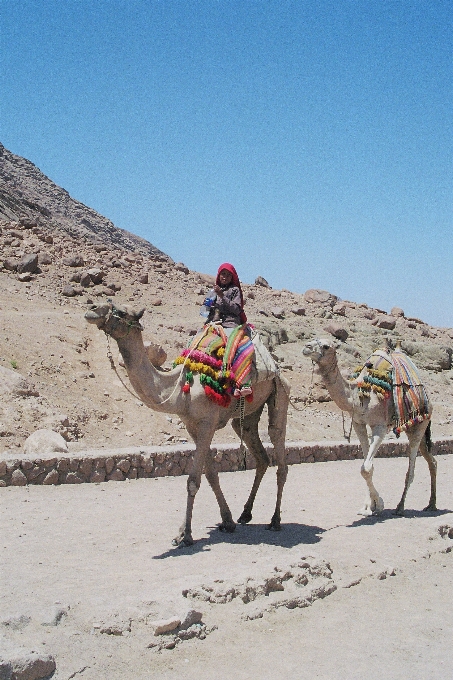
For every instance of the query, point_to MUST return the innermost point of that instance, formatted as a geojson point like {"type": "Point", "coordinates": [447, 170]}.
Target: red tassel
{"type": "Point", "coordinates": [186, 387]}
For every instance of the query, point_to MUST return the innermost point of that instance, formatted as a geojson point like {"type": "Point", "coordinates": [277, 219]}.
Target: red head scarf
{"type": "Point", "coordinates": [235, 281]}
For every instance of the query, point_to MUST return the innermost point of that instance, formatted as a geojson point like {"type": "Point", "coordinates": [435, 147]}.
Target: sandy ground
{"type": "Point", "coordinates": [102, 552]}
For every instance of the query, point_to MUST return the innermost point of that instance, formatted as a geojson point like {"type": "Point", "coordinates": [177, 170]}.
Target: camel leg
{"type": "Point", "coordinates": [374, 503]}
{"type": "Point", "coordinates": [416, 437]}
{"type": "Point", "coordinates": [202, 434]}
{"type": "Point", "coordinates": [256, 448]}
{"type": "Point", "coordinates": [432, 464]}
{"type": "Point", "coordinates": [278, 412]}
{"type": "Point", "coordinates": [212, 476]}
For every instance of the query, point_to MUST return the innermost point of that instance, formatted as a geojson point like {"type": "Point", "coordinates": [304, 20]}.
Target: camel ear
{"type": "Point", "coordinates": [140, 313]}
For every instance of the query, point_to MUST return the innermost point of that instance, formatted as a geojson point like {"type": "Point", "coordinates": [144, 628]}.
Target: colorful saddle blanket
{"type": "Point", "coordinates": [222, 362]}
{"type": "Point", "coordinates": [395, 375]}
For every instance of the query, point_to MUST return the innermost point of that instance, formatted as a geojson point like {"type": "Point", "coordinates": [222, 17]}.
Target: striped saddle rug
{"type": "Point", "coordinates": [409, 394]}
{"type": "Point", "coordinates": [222, 362]}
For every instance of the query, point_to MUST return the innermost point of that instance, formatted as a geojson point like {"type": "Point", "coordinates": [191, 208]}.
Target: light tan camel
{"type": "Point", "coordinates": [161, 391]}
{"type": "Point", "coordinates": [377, 414]}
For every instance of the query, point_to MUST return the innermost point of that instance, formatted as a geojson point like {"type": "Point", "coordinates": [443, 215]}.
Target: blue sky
{"type": "Point", "coordinates": [308, 142]}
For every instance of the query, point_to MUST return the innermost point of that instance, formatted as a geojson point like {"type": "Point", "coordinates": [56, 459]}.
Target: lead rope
{"type": "Point", "coordinates": [242, 449]}
{"type": "Point", "coordinates": [112, 365]}
{"type": "Point", "coordinates": [348, 436]}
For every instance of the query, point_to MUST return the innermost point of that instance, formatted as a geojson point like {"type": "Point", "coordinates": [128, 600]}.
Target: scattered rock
{"type": "Point", "coordinates": [192, 616]}
{"type": "Point", "coordinates": [44, 259]}
{"type": "Point", "coordinates": [317, 296]}
{"type": "Point", "coordinates": [68, 291]}
{"type": "Point", "coordinates": [260, 281]}
{"type": "Point", "coordinates": [164, 625]}
{"type": "Point", "coordinates": [10, 264]}
{"type": "Point", "coordinates": [29, 263]}
{"type": "Point", "coordinates": [337, 331]}
{"type": "Point", "coordinates": [386, 322]}
{"type": "Point", "coordinates": [74, 261]}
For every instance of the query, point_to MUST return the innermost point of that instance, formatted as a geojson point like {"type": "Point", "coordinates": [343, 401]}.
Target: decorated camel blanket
{"type": "Point", "coordinates": [395, 375]}
{"type": "Point", "coordinates": [222, 362]}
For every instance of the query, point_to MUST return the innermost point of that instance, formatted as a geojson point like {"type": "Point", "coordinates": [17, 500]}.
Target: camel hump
{"type": "Point", "coordinates": [380, 361]}
{"type": "Point", "coordinates": [264, 366]}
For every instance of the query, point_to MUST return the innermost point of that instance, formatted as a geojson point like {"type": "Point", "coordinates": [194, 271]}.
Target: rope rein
{"type": "Point", "coordinates": [135, 324]}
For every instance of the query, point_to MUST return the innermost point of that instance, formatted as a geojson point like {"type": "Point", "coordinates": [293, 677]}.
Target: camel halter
{"type": "Point", "coordinates": [334, 366]}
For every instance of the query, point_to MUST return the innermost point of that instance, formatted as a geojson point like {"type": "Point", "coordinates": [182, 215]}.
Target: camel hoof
{"type": "Point", "coordinates": [378, 506]}
{"type": "Point", "coordinates": [245, 518]}
{"type": "Point", "coordinates": [227, 528]}
{"type": "Point", "coordinates": [274, 526]}
{"type": "Point", "coordinates": [432, 507]}
{"type": "Point", "coordinates": [182, 542]}
{"type": "Point", "coordinates": [365, 512]}
{"type": "Point", "coordinates": [399, 511]}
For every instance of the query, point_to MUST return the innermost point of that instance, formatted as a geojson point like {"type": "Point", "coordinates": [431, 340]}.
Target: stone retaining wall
{"type": "Point", "coordinates": [140, 462]}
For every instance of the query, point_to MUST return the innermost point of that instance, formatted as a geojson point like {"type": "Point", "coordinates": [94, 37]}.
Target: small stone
{"type": "Point", "coordinates": [192, 616]}
{"type": "Point", "coordinates": [73, 261]}
{"type": "Point", "coordinates": [164, 625]}
{"type": "Point", "coordinates": [68, 291]}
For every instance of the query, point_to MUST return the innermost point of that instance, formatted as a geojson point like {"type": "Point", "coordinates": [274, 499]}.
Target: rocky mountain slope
{"type": "Point", "coordinates": [57, 257]}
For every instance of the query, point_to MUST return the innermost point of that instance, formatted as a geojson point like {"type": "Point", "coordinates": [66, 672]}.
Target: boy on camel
{"type": "Point", "coordinates": [228, 310]}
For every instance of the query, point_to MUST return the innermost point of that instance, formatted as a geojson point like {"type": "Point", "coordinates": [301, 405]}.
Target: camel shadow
{"type": "Point", "coordinates": [389, 514]}
{"type": "Point", "coordinates": [290, 536]}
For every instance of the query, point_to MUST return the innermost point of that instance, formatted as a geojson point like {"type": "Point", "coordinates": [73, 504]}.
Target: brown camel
{"type": "Point", "coordinates": [378, 415]}
{"type": "Point", "coordinates": [161, 391]}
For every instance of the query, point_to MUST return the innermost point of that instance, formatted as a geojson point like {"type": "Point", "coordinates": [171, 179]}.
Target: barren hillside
{"type": "Point", "coordinates": [57, 257]}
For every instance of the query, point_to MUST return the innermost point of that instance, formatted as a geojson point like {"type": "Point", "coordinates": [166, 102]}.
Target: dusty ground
{"type": "Point", "coordinates": [102, 553]}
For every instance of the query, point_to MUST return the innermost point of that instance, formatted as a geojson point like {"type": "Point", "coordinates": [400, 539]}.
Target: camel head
{"type": "Point", "coordinates": [115, 320]}
{"type": "Point", "coordinates": [319, 349]}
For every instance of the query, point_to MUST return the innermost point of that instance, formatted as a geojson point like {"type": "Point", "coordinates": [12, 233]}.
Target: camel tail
{"type": "Point", "coordinates": [428, 440]}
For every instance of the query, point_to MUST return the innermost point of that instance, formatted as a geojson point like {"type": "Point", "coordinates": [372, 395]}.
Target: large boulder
{"type": "Point", "coordinates": [320, 297]}
{"type": "Point", "coordinates": [45, 441]}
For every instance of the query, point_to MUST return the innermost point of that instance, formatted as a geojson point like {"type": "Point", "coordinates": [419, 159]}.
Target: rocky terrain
{"type": "Point", "coordinates": [58, 257]}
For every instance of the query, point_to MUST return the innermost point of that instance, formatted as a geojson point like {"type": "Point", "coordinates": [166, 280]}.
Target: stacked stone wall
{"type": "Point", "coordinates": [143, 462]}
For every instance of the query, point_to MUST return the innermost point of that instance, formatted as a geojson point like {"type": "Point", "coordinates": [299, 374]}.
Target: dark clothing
{"type": "Point", "coordinates": [229, 307]}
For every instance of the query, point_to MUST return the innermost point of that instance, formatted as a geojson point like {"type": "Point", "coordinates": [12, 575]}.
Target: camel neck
{"type": "Point", "coordinates": [338, 388]}
{"type": "Point", "coordinates": [152, 386]}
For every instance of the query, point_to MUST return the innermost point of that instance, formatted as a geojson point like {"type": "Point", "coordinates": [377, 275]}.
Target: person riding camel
{"type": "Point", "coordinates": [228, 311]}
{"type": "Point", "coordinates": [228, 307]}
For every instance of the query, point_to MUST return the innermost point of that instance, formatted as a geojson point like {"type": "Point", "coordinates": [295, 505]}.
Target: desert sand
{"type": "Point", "coordinates": [94, 557]}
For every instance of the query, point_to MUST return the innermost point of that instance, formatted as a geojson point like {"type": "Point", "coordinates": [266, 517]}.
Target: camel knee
{"type": "Point", "coordinates": [192, 487]}
{"type": "Point", "coordinates": [367, 469]}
